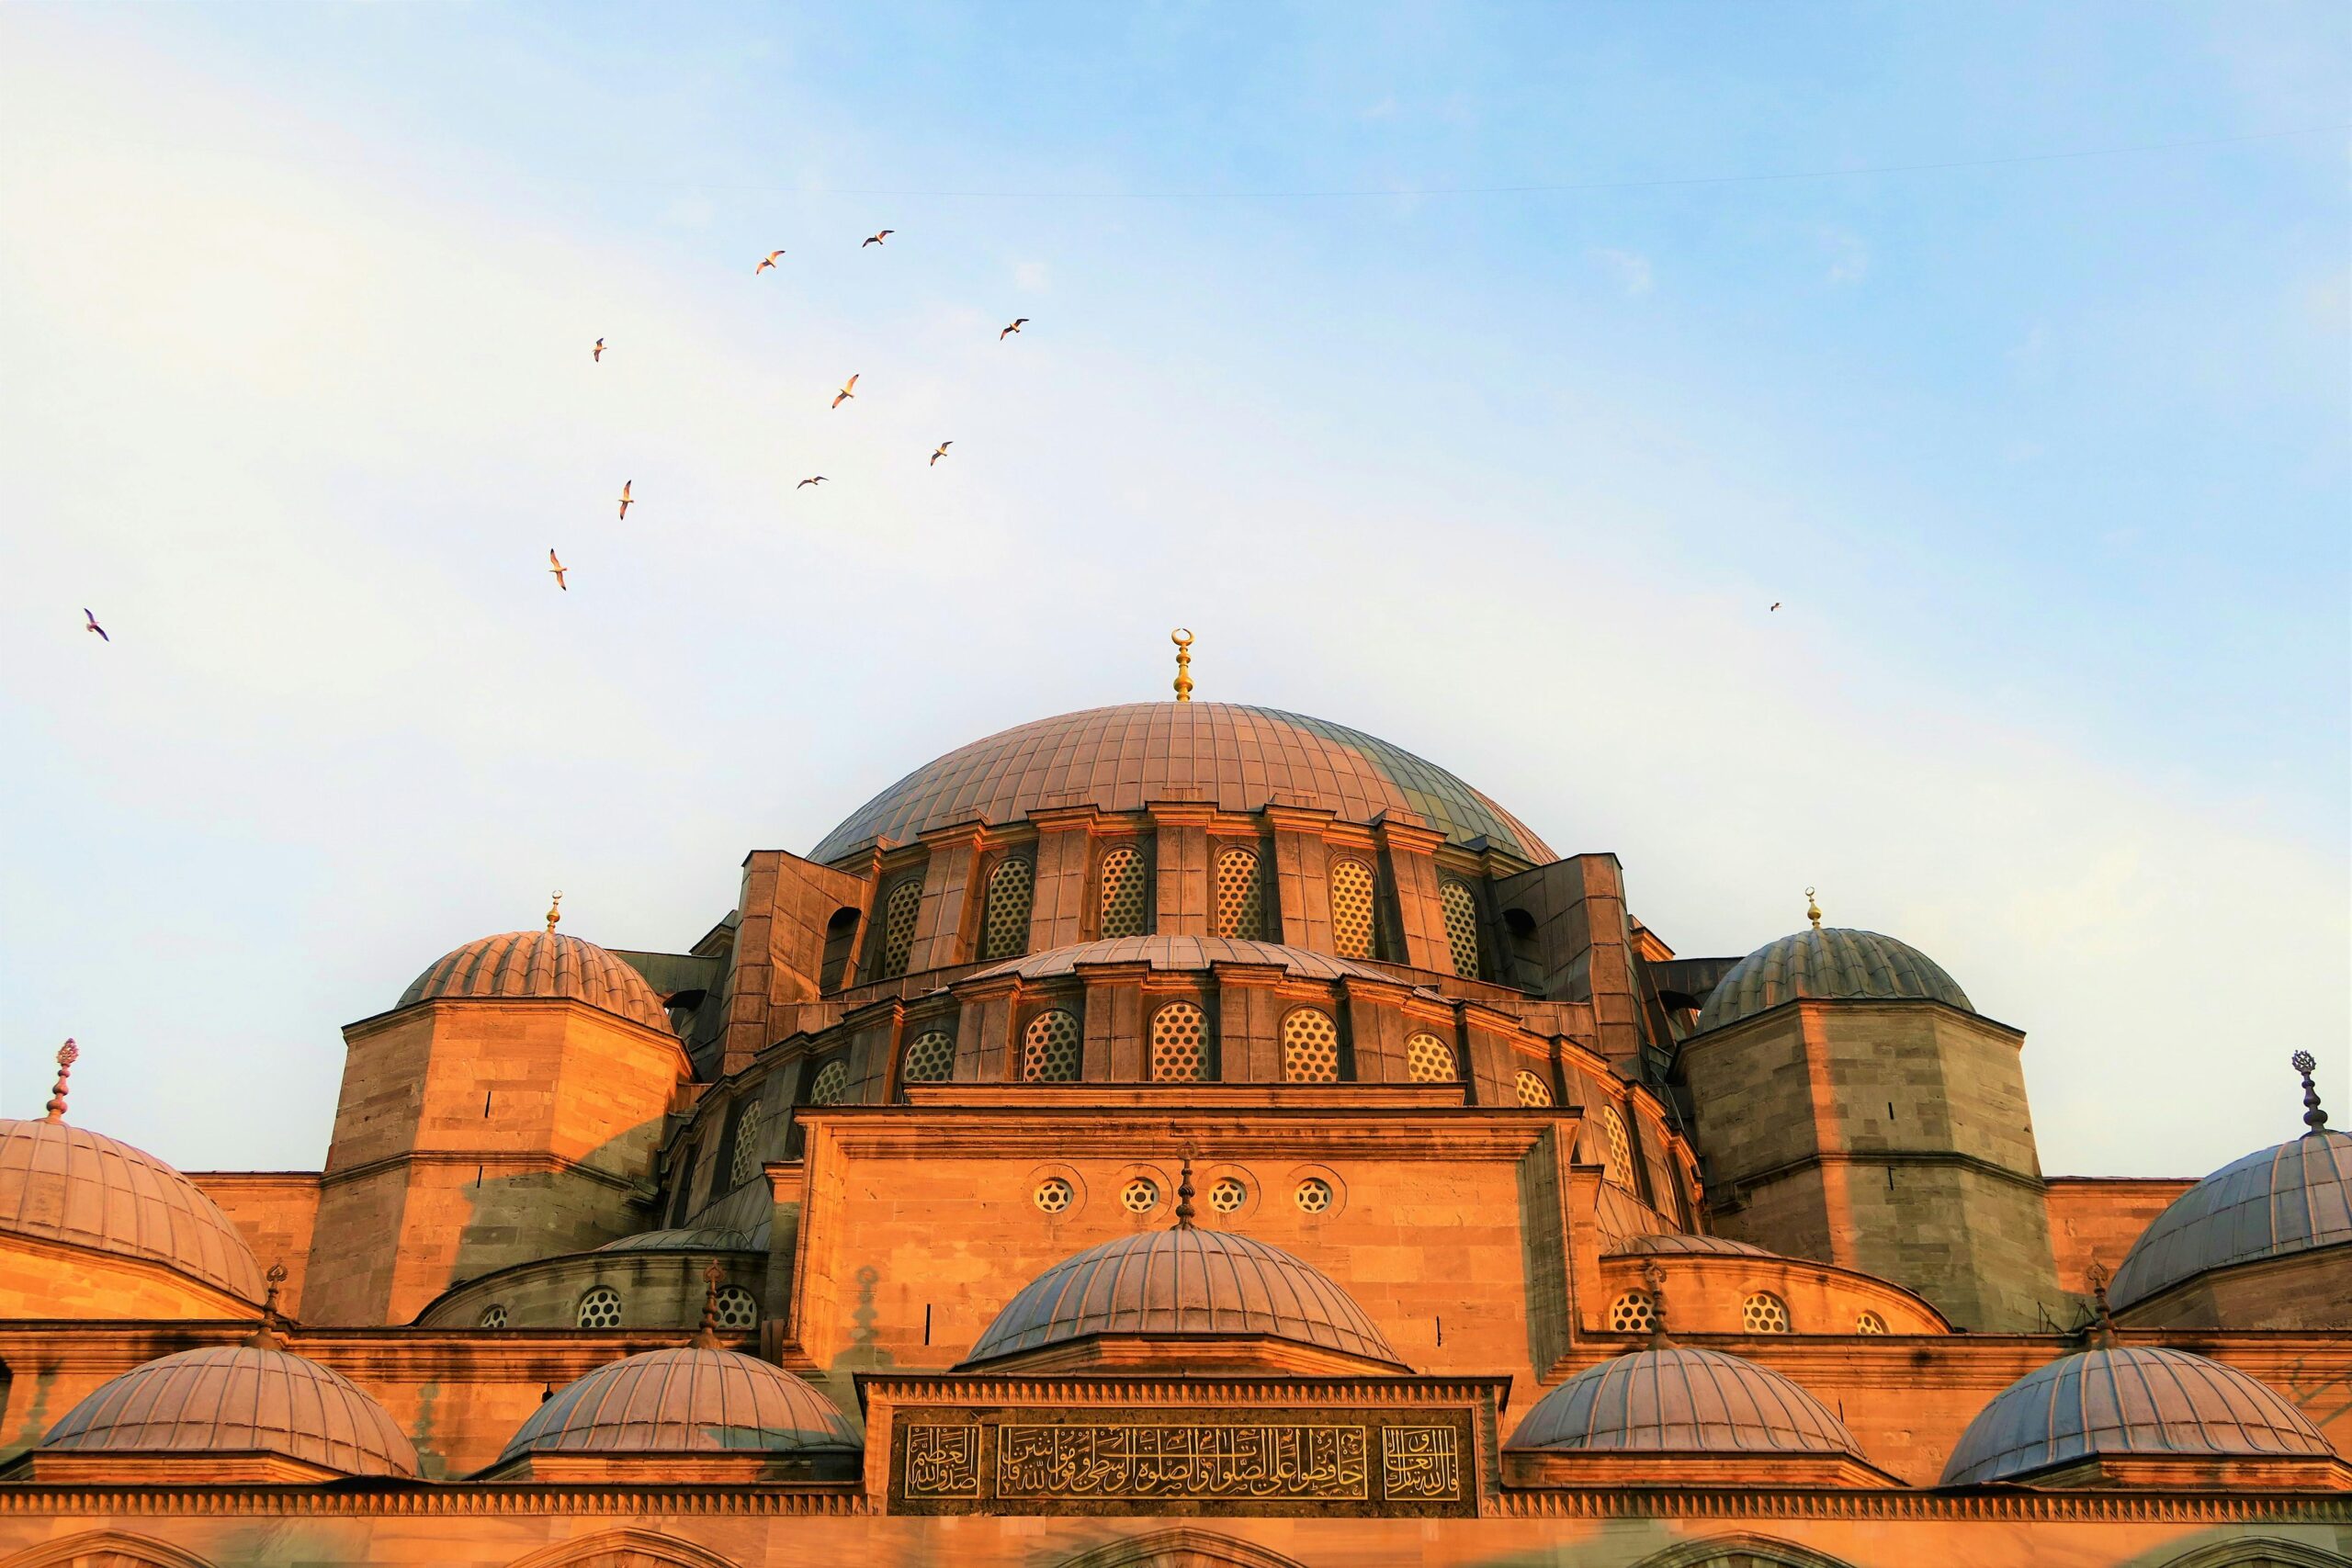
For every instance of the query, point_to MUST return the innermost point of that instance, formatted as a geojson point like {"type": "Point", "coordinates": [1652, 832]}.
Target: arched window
{"type": "Point", "coordinates": [1429, 1059]}
{"type": "Point", "coordinates": [1240, 896]}
{"type": "Point", "coordinates": [1764, 1313]}
{"type": "Point", "coordinates": [1049, 1048]}
{"type": "Point", "coordinates": [1005, 930]}
{"type": "Point", "coordinates": [745, 1163]}
{"type": "Point", "coordinates": [1122, 894]}
{"type": "Point", "coordinates": [600, 1308]}
{"type": "Point", "coordinates": [840, 936]}
{"type": "Point", "coordinates": [737, 1309]}
{"type": "Point", "coordinates": [1179, 1043]}
{"type": "Point", "coordinates": [1352, 922]}
{"type": "Point", "coordinates": [1532, 1091]}
{"type": "Point", "coordinates": [899, 911]}
{"type": "Point", "coordinates": [1619, 1166]}
{"type": "Point", "coordinates": [931, 1057]}
{"type": "Point", "coordinates": [1460, 906]}
{"type": "Point", "coordinates": [1310, 1046]}
{"type": "Point", "coordinates": [829, 1084]}
{"type": "Point", "coordinates": [1869, 1322]}
{"type": "Point", "coordinates": [495, 1315]}
{"type": "Point", "coordinates": [1632, 1313]}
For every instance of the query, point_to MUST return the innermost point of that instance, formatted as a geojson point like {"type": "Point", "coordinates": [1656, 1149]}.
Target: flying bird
{"type": "Point", "coordinates": [877, 239]}
{"type": "Point", "coordinates": [624, 501]}
{"type": "Point", "coordinates": [95, 627]}
{"type": "Point", "coordinates": [765, 262]}
{"type": "Point", "coordinates": [804, 484]}
{"type": "Point", "coordinates": [941, 453]}
{"type": "Point", "coordinates": [597, 354]}
{"type": "Point", "coordinates": [556, 566]}
{"type": "Point", "coordinates": [849, 390]}
{"type": "Point", "coordinates": [1776, 604]}
{"type": "Point", "coordinates": [1017, 324]}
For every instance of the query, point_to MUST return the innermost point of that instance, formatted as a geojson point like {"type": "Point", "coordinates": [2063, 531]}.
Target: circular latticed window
{"type": "Point", "coordinates": [1240, 900]}
{"type": "Point", "coordinates": [1004, 932]}
{"type": "Point", "coordinates": [737, 1309]}
{"type": "Point", "coordinates": [899, 911]}
{"type": "Point", "coordinates": [1122, 892]}
{"type": "Point", "coordinates": [600, 1308]}
{"type": "Point", "coordinates": [1139, 1196]}
{"type": "Point", "coordinates": [1870, 1323]}
{"type": "Point", "coordinates": [830, 1083]}
{"type": "Point", "coordinates": [1620, 1171]}
{"type": "Point", "coordinates": [1049, 1048]}
{"type": "Point", "coordinates": [1310, 1047]}
{"type": "Point", "coordinates": [1532, 1091]}
{"type": "Point", "coordinates": [1351, 909]}
{"type": "Point", "coordinates": [1226, 1194]}
{"type": "Point", "coordinates": [494, 1317]}
{"type": "Point", "coordinates": [1764, 1313]}
{"type": "Point", "coordinates": [1314, 1195]}
{"type": "Point", "coordinates": [1632, 1313]}
{"type": "Point", "coordinates": [931, 1057]}
{"type": "Point", "coordinates": [1179, 1043]}
{"type": "Point", "coordinates": [1053, 1195]}
{"type": "Point", "coordinates": [745, 1163]}
{"type": "Point", "coordinates": [1429, 1059]}
{"type": "Point", "coordinates": [1460, 906]}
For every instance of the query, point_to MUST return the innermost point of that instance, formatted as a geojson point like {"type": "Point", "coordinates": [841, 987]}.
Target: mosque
{"type": "Point", "coordinates": [1176, 1135]}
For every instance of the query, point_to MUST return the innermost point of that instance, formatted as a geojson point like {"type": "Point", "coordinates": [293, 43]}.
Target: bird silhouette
{"type": "Point", "coordinates": [941, 453]}
{"type": "Point", "coordinates": [597, 354]}
{"type": "Point", "coordinates": [1776, 604]}
{"type": "Point", "coordinates": [625, 499]}
{"type": "Point", "coordinates": [849, 391]}
{"type": "Point", "coordinates": [556, 566]}
{"type": "Point", "coordinates": [1018, 322]}
{"type": "Point", "coordinates": [877, 239]}
{"type": "Point", "coordinates": [804, 484]}
{"type": "Point", "coordinates": [765, 262]}
{"type": "Point", "coordinates": [95, 627]}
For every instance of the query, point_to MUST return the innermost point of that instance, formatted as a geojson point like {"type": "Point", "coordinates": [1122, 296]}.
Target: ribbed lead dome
{"type": "Point", "coordinates": [2289, 1198]}
{"type": "Point", "coordinates": [691, 1400]}
{"type": "Point", "coordinates": [541, 963]}
{"type": "Point", "coordinates": [2126, 1401]}
{"type": "Point", "coordinates": [1679, 1399]}
{"type": "Point", "coordinates": [1829, 964]}
{"type": "Point", "coordinates": [59, 1182]}
{"type": "Point", "coordinates": [238, 1399]}
{"type": "Point", "coordinates": [1181, 1281]}
{"type": "Point", "coordinates": [1124, 757]}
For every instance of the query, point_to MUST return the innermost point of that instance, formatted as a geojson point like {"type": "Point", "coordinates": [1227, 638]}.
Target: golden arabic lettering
{"type": "Point", "coordinates": [1420, 1462]}
{"type": "Point", "coordinates": [943, 1462]}
{"type": "Point", "coordinates": [1182, 1462]}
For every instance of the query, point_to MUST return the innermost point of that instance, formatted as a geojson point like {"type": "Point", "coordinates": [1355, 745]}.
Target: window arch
{"type": "Point", "coordinates": [1121, 899]}
{"type": "Point", "coordinates": [931, 1057]}
{"type": "Point", "coordinates": [1310, 1046]}
{"type": "Point", "coordinates": [1240, 895]}
{"type": "Point", "coordinates": [899, 911]}
{"type": "Point", "coordinates": [1764, 1313]}
{"type": "Point", "coordinates": [840, 936]}
{"type": "Point", "coordinates": [1004, 928]}
{"type": "Point", "coordinates": [737, 1309]}
{"type": "Point", "coordinates": [1351, 906]}
{"type": "Point", "coordinates": [1869, 1322]}
{"type": "Point", "coordinates": [1049, 1048]}
{"type": "Point", "coordinates": [1618, 1163]}
{"type": "Point", "coordinates": [830, 1085]}
{"type": "Point", "coordinates": [495, 1315]}
{"type": "Point", "coordinates": [1460, 908]}
{"type": "Point", "coordinates": [1429, 1059]}
{"type": "Point", "coordinates": [1633, 1313]}
{"type": "Point", "coordinates": [745, 1163]}
{"type": "Point", "coordinates": [600, 1308]}
{"type": "Point", "coordinates": [1179, 1043]}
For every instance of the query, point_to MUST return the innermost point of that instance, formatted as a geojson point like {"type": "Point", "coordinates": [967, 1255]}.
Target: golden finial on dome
{"type": "Point", "coordinates": [1183, 637]}
{"type": "Point", "coordinates": [555, 909]}
{"type": "Point", "coordinates": [1811, 910]}
{"type": "Point", "coordinates": [67, 1054]}
{"type": "Point", "coordinates": [266, 1335]}
{"type": "Point", "coordinates": [706, 1337]}
{"type": "Point", "coordinates": [1654, 1276]}
{"type": "Point", "coordinates": [2102, 1324]}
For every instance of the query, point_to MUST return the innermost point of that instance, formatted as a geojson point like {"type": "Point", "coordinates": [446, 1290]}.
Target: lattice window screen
{"type": "Point", "coordinates": [829, 1083]}
{"type": "Point", "coordinates": [1004, 932]}
{"type": "Point", "coordinates": [1310, 1047]}
{"type": "Point", "coordinates": [899, 911]}
{"type": "Point", "coordinates": [931, 1057]}
{"type": "Point", "coordinates": [1764, 1313]}
{"type": "Point", "coordinates": [1532, 1091]}
{"type": "Point", "coordinates": [1179, 1043]}
{"type": "Point", "coordinates": [1620, 1172]}
{"type": "Point", "coordinates": [1122, 892]}
{"type": "Point", "coordinates": [1460, 906]}
{"type": "Point", "coordinates": [1429, 1059]}
{"type": "Point", "coordinates": [1240, 896]}
{"type": "Point", "coordinates": [745, 1163]}
{"type": "Point", "coordinates": [737, 1309]}
{"type": "Point", "coordinates": [1632, 1313]}
{"type": "Point", "coordinates": [1049, 1048]}
{"type": "Point", "coordinates": [495, 1316]}
{"type": "Point", "coordinates": [600, 1308]}
{"type": "Point", "coordinates": [1870, 1323]}
{"type": "Point", "coordinates": [1352, 923]}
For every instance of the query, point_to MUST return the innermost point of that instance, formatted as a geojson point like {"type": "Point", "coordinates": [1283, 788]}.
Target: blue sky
{"type": "Point", "coordinates": [2047, 458]}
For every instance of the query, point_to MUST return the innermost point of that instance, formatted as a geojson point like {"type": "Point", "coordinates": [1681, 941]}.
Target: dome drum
{"type": "Point", "coordinates": [1715, 1285]}
{"type": "Point", "coordinates": [658, 1289]}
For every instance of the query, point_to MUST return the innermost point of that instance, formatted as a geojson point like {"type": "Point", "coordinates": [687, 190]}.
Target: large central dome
{"type": "Point", "coordinates": [1236, 757]}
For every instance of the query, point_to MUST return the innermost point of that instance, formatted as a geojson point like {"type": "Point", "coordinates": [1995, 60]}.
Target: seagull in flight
{"type": "Point", "coordinates": [877, 239]}
{"type": "Point", "coordinates": [597, 354]}
{"type": "Point", "coordinates": [625, 499]}
{"type": "Point", "coordinates": [941, 453]}
{"type": "Point", "coordinates": [804, 484]}
{"type": "Point", "coordinates": [766, 262]}
{"type": "Point", "coordinates": [556, 566]}
{"type": "Point", "coordinates": [849, 391]}
{"type": "Point", "coordinates": [1019, 321]}
{"type": "Point", "coordinates": [92, 621]}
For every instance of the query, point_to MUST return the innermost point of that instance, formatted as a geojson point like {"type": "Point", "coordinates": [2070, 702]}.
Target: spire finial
{"type": "Point", "coordinates": [706, 1337]}
{"type": "Point", "coordinates": [1811, 909]}
{"type": "Point", "coordinates": [2102, 1333]}
{"type": "Point", "coordinates": [69, 1054]}
{"type": "Point", "coordinates": [1184, 1193]}
{"type": "Point", "coordinates": [1182, 638]}
{"type": "Point", "coordinates": [555, 909]}
{"type": "Point", "coordinates": [2303, 1062]}
{"type": "Point", "coordinates": [265, 1336]}
{"type": "Point", "coordinates": [1654, 1280]}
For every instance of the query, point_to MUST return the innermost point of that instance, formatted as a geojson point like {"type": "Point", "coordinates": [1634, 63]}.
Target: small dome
{"type": "Point", "coordinates": [1678, 1399]}
{"type": "Point", "coordinates": [2135, 1401]}
{"type": "Point", "coordinates": [2290, 1198]}
{"type": "Point", "coordinates": [1832, 964]}
{"type": "Point", "coordinates": [1178, 1281]}
{"type": "Point", "coordinates": [1671, 1242]}
{"type": "Point", "coordinates": [695, 1239]}
{"type": "Point", "coordinates": [541, 963]}
{"type": "Point", "coordinates": [59, 1182]}
{"type": "Point", "coordinates": [693, 1400]}
{"type": "Point", "coordinates": [238, 1399]}
{"type": "Point", "coordinates": [1183, 953]}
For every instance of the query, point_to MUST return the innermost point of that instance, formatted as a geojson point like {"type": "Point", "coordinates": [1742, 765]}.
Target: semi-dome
{"type": "Point", "coordinates": [1236, 757]}
{"type": "Point", "coordinates": [237, 1399]}
{"type": "Point", "coordinates": [693, 1238]}
{"type": "Point", "coordinates": [63, 1183]}
{"type": "Point", "coordinates": [1183, 952]}
{"type": "Point", "coordinates": [541, 963]}
{"type": "Point", "coordinates": [1670, 1243]}
{"type": "Point", "coordinates": [696, 1399]}
{"type": "Point", "coordinates": [1184, 1282]}
{"type": "Point", "coordinates": [2289, 1198]}
{"type": "Point", "coordinates": [2137, 1401]}
{"type": "Point", "coordinates": [1679, 1399]}
{"type": "Point", "coordinates": [1833, 964]}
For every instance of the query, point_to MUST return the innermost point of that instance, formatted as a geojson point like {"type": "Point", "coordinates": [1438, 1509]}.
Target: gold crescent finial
{"type": "Point", "coordinates": [555, 909]}
{"type": "Point", "coordinates": [1811, 909]}
{"type": "Point", "coordinates": [1183, 637]}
